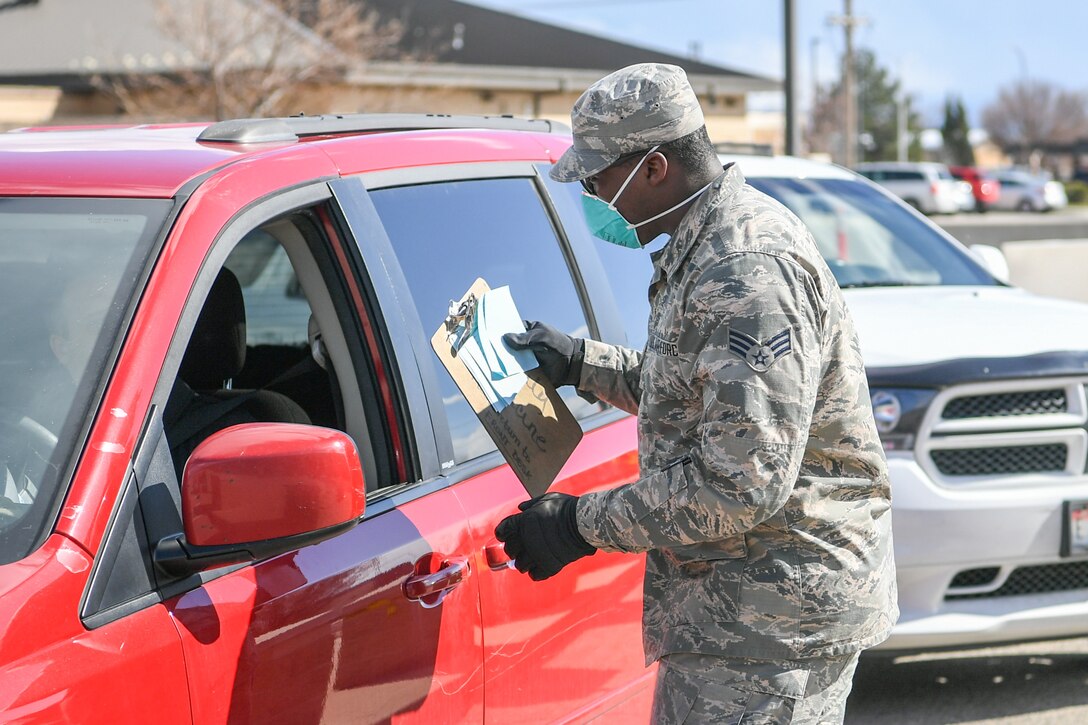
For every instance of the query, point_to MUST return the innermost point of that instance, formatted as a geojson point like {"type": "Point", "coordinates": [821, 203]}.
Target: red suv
{"type": "Point", "coordinates": [235, 483]}
{"type": "Point", "coordinates": [985, 188]}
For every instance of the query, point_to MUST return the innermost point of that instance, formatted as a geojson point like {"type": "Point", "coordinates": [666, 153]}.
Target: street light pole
{"type": "Point", "coordinates": [793, 136]}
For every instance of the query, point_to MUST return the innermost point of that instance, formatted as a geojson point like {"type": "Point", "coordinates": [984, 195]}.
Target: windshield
{"type": "Point", "coordinates": [67, 272]}
{"type": "Point", "coordinates": [870, 241]}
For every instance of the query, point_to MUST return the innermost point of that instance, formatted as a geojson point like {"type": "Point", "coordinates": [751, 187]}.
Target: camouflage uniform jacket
{"type": "Point", "coordinates": [763, 500]}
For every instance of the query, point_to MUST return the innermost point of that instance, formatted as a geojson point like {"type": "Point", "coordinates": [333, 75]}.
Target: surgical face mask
{"type": "Point", "coordinates": [605, 221]}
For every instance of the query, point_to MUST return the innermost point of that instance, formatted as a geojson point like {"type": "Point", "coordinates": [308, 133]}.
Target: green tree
{"type": "Point", "coordinates": [957, 147]}
{"type": "Point", "coordinates": [878, 97]}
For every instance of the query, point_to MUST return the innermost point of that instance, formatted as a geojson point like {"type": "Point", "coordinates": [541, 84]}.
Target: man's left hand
{"type": "Point", "coordinates": [544, 538]}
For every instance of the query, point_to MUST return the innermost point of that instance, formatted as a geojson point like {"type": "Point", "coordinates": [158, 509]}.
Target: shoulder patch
{"type": "Point", "coordinates": [760, 354]}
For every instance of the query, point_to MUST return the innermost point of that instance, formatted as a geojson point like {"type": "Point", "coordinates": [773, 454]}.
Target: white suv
{"type": "Point", "coordinates": [928, 187]}
{"type": "Point", "coordinates": [979, 395]}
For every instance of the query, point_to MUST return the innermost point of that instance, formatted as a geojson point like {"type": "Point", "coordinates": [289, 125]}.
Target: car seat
{"type": "Point", "coordinates": [203, 400]}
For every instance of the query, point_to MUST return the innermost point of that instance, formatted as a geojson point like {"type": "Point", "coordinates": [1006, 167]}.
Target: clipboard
{"type": "Point", "coordinates": [536, 434]}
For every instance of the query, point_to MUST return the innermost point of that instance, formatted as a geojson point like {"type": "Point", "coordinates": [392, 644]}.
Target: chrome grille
{"type": "Point", "coordinates": [1037, 580]}
{"type": "Point", "coordinates": [1006, 460]}
{"type": "Point", "coordinates": [1033, 402]}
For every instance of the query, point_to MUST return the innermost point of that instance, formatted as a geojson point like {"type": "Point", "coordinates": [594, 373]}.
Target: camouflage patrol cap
{"type": "Point", "coordinates": [630, 110]}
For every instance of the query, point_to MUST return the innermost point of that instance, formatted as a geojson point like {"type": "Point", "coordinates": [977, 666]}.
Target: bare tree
{"type": "Point", "coordinates": [1029, 115]}
{"type": "Point", "coordinates": [253, 58]}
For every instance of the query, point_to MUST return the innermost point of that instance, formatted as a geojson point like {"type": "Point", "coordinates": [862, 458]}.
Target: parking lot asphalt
{"type": "Point", "coordinates": [997, 227]}
{"type": "Point", "coordinates": [1029, 684]}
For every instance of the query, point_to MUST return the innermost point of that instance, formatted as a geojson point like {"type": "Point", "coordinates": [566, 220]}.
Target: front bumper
{"type": "Point", "coordinates": [940, 533]}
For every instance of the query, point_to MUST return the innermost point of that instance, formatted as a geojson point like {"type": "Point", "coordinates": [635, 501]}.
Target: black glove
{"type": "Point", "coordinates": [544, 538]}
{"type": "Point", "coordinates": [560, 356]}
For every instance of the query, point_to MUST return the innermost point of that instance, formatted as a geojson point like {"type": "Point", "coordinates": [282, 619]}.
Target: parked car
{"type": "Point", "coordinates": [1022, 191]}
{"type": "Point", "coordinates": [985, 189]}
{"type": "Point", "coordinates": [928, 187]}
{"type": "Point", "coordinates": [291, 520]}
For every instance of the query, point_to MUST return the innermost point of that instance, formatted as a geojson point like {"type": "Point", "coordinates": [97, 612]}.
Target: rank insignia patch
{"type": "Point", "coordinates": [760, 355]}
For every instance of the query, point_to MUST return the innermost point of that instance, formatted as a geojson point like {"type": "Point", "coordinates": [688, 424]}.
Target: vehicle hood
{"type": "Point", "coordinates": [920, 325]}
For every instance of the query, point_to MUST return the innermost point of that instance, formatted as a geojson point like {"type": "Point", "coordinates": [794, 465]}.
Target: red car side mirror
{"type": "Point", "coordinates": [261, 489]}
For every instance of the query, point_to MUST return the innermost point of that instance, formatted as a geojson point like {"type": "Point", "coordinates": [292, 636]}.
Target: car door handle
{"type": "Point", "coordinates": [452, 572]}
{"type": "Point", "coordinates": [497, 559]}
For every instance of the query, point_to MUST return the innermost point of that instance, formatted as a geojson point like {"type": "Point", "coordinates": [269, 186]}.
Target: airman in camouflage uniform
{"type": "Point", "coordinates": [763, 502]}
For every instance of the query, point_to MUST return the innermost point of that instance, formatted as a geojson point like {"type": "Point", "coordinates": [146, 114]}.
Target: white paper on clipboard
{"type": "Point", "coordinates": [498, 369]}
{"type": "Point", "coordinates": [535, 432]}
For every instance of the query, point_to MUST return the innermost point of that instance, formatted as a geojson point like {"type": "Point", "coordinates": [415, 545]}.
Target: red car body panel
{"type": "Point", "coordinates": [328, 631]}
{"type": "Point", "coordinates": [582, 627]}
{"type": "Point", "coordinates": [153, 162]}
{"type": "Point", "coordinates": [55, 670]}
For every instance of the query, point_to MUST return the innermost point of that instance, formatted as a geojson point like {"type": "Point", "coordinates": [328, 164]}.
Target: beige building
{"type": "Point", "coordinates": [60, 60]}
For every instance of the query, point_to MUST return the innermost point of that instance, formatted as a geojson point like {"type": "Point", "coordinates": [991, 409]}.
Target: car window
{"type": "Point", "coordinates": [446, 235]}
{"type": "Point", "coordinates": [68, 269]}
{"type": "Point", "coordinates": [869, 240]}
{"type": "Point", "coordinates": [628, 271]}
{"type": "Point", "coordinates": [276, 309]}
{"type": "Point", "coordinates": [274, 374]}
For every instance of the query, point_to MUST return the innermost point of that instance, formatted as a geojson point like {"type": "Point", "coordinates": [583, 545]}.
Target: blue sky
{"type": "Point", "coordinates": [938, 47]}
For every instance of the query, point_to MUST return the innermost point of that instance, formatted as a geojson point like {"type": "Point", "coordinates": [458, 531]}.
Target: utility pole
{"type": "Point", "coordinates": [902, 116]}
{"type": "Point", "coordinates": [848, 21]}
{"type": "Point", "coordinates": [793, 135]}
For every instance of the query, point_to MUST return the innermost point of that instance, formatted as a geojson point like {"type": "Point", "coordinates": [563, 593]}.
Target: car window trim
{"type": "Point", "coordinates": [384, 284]}
{"type": "Point", "coordinates": [304, 196]}
{"type": "Point", "coordinates": [241, 223]}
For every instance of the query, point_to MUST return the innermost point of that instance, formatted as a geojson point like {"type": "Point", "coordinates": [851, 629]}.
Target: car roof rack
{"type": "Point", "coordinates": [292, 128]}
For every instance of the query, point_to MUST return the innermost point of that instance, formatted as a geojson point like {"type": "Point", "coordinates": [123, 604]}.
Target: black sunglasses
{"type": "Point", "coordinates": [590, 185]}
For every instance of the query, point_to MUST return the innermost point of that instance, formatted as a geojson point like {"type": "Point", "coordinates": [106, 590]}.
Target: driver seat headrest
{"type": "Point", "coordinates": [217, 348]}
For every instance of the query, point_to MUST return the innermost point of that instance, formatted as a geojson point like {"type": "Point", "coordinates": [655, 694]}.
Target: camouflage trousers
{"type": "Point", "coordinates": [694, 688]}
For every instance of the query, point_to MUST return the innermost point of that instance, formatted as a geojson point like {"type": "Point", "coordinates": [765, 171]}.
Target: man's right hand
{"type": "Point", "coordinates": [559, 355]}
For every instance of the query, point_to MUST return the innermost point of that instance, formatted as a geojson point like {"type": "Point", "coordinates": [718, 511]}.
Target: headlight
{"type": "Point", "coordinates": [898, 413]}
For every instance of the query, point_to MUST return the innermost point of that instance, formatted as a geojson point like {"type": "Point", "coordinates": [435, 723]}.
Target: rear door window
{"type": "Point", "coordinates": [447, 234]}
